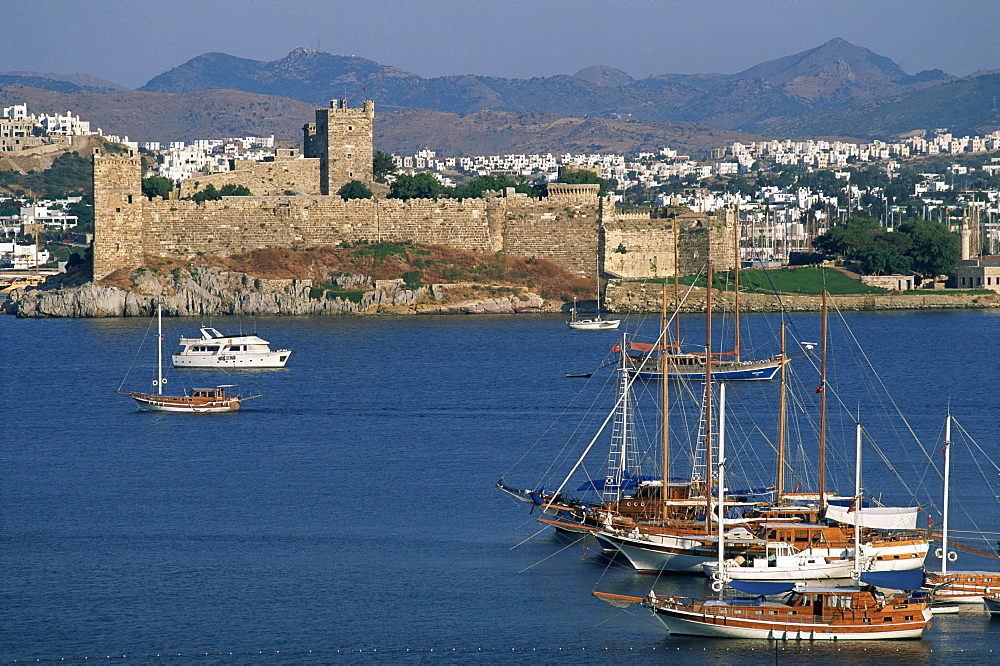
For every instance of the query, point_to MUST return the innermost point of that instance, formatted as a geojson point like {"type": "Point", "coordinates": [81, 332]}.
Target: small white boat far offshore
{"type": "Point", "coordinates": [215, 350]}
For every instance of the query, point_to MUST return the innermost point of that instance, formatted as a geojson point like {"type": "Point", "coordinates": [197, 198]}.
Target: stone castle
{"type": "Point", "coordinates": [294, 205]}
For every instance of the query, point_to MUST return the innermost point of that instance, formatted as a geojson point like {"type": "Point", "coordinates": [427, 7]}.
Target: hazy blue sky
{"type": "Point", "coordinates": [130, 41]}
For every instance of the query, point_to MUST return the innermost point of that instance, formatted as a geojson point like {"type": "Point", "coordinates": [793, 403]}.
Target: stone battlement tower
{"type": "Point", "coordinates": [341, 138]}
{"type": "Point", "coordinates": [118, 210]}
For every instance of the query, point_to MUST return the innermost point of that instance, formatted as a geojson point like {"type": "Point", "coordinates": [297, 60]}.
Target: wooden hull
{"type": "Point", "coordinates": [786, 570]}
{"type": "Point", "coordinates": [992, 605]}
{"type": "Point", "coordinates": [963, 587]}
{"type": "Point", "coordinates": [723, 371]}
{"type": "Point", "coordinates": [656, 553]}
{"type": "Point", "coordinates": [148, 402]}
{"type": "Point", "coordinates": [692, 622]}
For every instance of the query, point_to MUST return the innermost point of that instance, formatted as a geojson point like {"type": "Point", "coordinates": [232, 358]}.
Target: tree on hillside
{"type": "Point", "coordinates": [354, 190]}
{"type": "Point", "coordinates": [231, 190]}
{"type": "Point", "coordinates": [583, 177]}
{"type": "Point", "coordinates": [846, 239]}
{"type": "Point", "coordinates": [382, 166]}
{"type": "Point", "coordinates": [935, 249]}
{"type": "Point", "coordinates": [84, 211]}
{"type": "Point", "coordinates": [157, 186]}
{"type": "Point", "coordinates": [875, 260]}
{"type": "Point", "coordinates": [419, 186]}
{"type": "Point", "coordinates": [207, 194]}
{"type": "Point", "coordinates": [212, 194]}
{"type": "Point", "coordinates": [474, 188]}
{"type": "Point", "coordinates": [10, 207]}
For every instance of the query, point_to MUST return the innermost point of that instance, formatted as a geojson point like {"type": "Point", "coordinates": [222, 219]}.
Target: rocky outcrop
{"type": "Point", "coordinates": [642, 297]}
{"type": "Point", "coordinates": [214, 292]}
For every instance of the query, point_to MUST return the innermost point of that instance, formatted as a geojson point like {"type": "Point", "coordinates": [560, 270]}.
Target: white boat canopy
{"type": "Point", "coordinates": [876, 517]}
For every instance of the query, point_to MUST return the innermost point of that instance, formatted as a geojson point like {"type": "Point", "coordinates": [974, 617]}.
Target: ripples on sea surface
{"type": "Point", "coordinates": [353, 507]}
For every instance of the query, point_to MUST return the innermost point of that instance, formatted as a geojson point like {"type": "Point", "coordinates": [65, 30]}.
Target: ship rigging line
{"type": "Point", "coordinates": [137, 352]}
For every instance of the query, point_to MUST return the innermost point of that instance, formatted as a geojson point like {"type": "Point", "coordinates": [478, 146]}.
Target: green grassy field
{"type": "Point", "coordinates": [801, 280]}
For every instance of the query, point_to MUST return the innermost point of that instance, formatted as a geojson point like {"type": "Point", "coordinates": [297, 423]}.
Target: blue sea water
{"type": "Point", "coordinates": [353, 507]}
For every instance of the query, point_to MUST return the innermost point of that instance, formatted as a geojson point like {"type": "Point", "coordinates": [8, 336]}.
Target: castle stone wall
{"type": "Point", "coordinates": [562, 230]}
{"type": "Point", "coordinates": [702, 236]}
{"type": "Point", "coordinates": [572, 226]}
{"type": "Point", "coordinates": [261, 178]}
{"type": "Point", "coordinates": [635, 247]}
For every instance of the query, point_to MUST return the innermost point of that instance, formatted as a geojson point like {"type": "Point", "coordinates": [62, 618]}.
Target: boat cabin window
{"type": "Point", "coordinates": [209, 393]}
{"type": "Point", "coordinates": [833, 601]}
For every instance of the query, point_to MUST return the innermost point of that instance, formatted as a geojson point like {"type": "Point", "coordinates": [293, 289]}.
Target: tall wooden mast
{"type": "Point", "coordinates": [822, 410]}
{"type": "Point", "coordinates": [677, 289]}
{"type": "Point", "coordinates": [736, 280]}
{"type": "Point", "coordinates": [780, 482]}
{"type": "Point", "coordinates": [708, 399]}
{"type": "Point", "coordinates": [664, 493]}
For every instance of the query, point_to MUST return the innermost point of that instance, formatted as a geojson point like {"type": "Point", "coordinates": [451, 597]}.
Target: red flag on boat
{"type": "Point", "coordinates": [616, 348]}
{"type": "Point", "coordinates": [851, 508]}
{"type": "Point", "coordinates": [818, 389]}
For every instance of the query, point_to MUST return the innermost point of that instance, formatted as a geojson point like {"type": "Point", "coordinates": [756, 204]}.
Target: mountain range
{"type": "Point", "coordinates": [834, 90]}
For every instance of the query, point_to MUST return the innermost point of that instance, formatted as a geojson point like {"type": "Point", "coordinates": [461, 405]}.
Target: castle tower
{"type": "Point", "coordinates": [118, 220]}
{"type": "Point", "coordinates": [341, 138]}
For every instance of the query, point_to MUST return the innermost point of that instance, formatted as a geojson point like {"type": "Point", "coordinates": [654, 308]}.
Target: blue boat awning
{"type": "Point", "coordinates": [909, 580]}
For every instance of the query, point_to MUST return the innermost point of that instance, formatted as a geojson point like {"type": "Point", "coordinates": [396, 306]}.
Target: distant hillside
{"type": "Point", "coordinates": [966, 106]}
{"type": "Point", "coordinates": [835, 74]}
{"type": "Point", "coordinates": [160, 117]}
{"type": "Point", "coordinates": [838, 74]}
{"type": "Point", "coordinates": [7, 80]}
{"type": "Point", "coordinates": [837, 89]}
{"type": "Point", "coordinates": [503, 132]}
{"type": "Point", "coordinates": [85, 81]}
{"type": "Point", "coordinates": [222, 113]}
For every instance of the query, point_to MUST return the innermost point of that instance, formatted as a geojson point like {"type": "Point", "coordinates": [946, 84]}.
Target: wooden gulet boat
{"type": "Point", "coordinates": [811, 613]}
{"type": "Point", "coordinates": [726, 366]}
{"type": "Point", "coordinates": [199, 400]}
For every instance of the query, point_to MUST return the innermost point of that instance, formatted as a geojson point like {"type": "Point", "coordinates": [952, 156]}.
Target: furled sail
{"type": "Point", "coordinates": [877, 517]}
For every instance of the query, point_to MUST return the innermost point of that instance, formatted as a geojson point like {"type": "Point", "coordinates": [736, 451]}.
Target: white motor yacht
{"type": "Point", "coordinates": [215, 350]}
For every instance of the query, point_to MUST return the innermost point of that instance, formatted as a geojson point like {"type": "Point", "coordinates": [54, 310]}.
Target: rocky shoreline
{"type": "Point", "coordinates": [214, 292]}
{"type": "Point", "coordinates": [642, 297]}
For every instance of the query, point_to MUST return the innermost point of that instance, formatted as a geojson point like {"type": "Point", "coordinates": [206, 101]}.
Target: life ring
{"type": "Point", "coordinates": [938, 553]}
{"type": "Point", "coordinates": [716, 575]}
{"type": "Point", "coordinates": [952, 556]}
{"type": "Point", "coordinates": [718, 585]}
